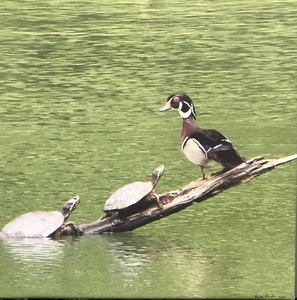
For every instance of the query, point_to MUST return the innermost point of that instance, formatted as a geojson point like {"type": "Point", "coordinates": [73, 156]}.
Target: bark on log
{"type": "Point", "coordinates": [196, 191]}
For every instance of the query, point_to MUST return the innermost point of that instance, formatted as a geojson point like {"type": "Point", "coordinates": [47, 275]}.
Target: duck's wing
{"type": "Point", "coordinates": [211, 140]}
{"type": "Point", "coordinates": [217, 147]}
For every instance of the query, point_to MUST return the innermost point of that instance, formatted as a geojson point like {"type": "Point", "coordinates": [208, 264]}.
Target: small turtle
{"type": "Point", "coordinates": [133, 197]}
{"type": "Point", "coordinates": [42, 223]}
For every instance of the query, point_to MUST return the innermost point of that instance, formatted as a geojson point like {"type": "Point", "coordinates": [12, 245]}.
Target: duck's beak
{"type": "Point", "coordinates": [166, 106]}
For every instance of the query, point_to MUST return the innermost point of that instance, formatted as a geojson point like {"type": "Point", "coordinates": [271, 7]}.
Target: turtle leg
{"type": "Point", "coordinates": [158, 201]}
{"type": "Point", "coordinates": [103, 216]}
{"type": "Point", "coordinates": [74, 229]}
{"type": "Point", "coordinates": [115, 219]}
{"type": "Point", "coordinates": [155, 197]}
{"type": "Point", "coordinates": [113, 215]}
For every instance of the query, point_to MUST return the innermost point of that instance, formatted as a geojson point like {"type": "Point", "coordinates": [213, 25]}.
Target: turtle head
{"type": "Point", "coordinates": [183, 103]}
{"type": "Point", "coordinates": [157, 173]}
{"type": "Point", "coordinates": [70, 206]}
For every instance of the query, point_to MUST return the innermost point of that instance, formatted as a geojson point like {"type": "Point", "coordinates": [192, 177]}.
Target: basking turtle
{"type": "Point", "coordinates": [42, 223]}
{"type": "Point", "coordinates": [133, 197]}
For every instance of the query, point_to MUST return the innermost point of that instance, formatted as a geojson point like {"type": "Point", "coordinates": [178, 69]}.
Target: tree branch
{"type": "Point", "coordinates": [196, 191]}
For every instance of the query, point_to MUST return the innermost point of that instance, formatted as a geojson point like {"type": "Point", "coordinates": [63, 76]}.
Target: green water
{"type": "Point", "coordinates": [81, 84]}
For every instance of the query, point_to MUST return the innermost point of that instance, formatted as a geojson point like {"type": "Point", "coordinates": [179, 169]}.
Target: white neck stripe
{"type": "Point", "coordinates": [188, 113]}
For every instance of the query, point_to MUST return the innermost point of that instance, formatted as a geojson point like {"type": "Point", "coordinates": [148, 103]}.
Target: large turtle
{"type": "Point", "coordinates": [43, 223]}
{"type": "Point", "coordinates": [133, 197]}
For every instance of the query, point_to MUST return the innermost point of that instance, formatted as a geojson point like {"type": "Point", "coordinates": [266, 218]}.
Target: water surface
{"type": "Point", "coordinates": [81, 86]}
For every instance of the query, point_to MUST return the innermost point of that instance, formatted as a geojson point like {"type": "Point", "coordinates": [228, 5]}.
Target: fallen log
{"type": "Point", "coordinates": [177, 200]}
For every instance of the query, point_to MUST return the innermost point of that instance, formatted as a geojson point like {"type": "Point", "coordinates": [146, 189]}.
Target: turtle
{"type": "Point", "coordinates": [43, 223]}
{"type": "Point", "coordinates": [133, 197]}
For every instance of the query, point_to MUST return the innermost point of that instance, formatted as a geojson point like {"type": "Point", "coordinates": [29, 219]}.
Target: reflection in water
{"type": "Point", "coordinates": [147, 262]}
{"type": "Point", "coordinates": [33, 249]}
{"type": "Point", "coordinates": [126, 255]}
{"type": "Point", "coordinates": [128, 258]}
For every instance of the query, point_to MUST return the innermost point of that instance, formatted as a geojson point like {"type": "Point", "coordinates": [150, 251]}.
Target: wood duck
{"type": "Point", "coordinates": [203, 147]}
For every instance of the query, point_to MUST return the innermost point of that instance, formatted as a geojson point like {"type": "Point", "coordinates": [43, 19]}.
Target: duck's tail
{"type": "Point", "coordinates": [230, 159]}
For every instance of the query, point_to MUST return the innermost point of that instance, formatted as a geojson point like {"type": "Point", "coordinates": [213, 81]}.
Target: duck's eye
{"type": "Point", "coordinates": [176, 99]}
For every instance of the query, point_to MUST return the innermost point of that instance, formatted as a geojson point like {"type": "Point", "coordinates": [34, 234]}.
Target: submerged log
{"type": "Point", "coordinates": [196, 191]}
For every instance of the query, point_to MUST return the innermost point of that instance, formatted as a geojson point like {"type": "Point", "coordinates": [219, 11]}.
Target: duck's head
{"type": "Point", "coordinates": [183, 103]}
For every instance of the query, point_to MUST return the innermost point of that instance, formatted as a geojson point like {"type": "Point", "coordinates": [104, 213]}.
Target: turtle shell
{"type": "Point", "coordinates": [128, 195]}
{"type": "Point", "coordinates": [33, 224]}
